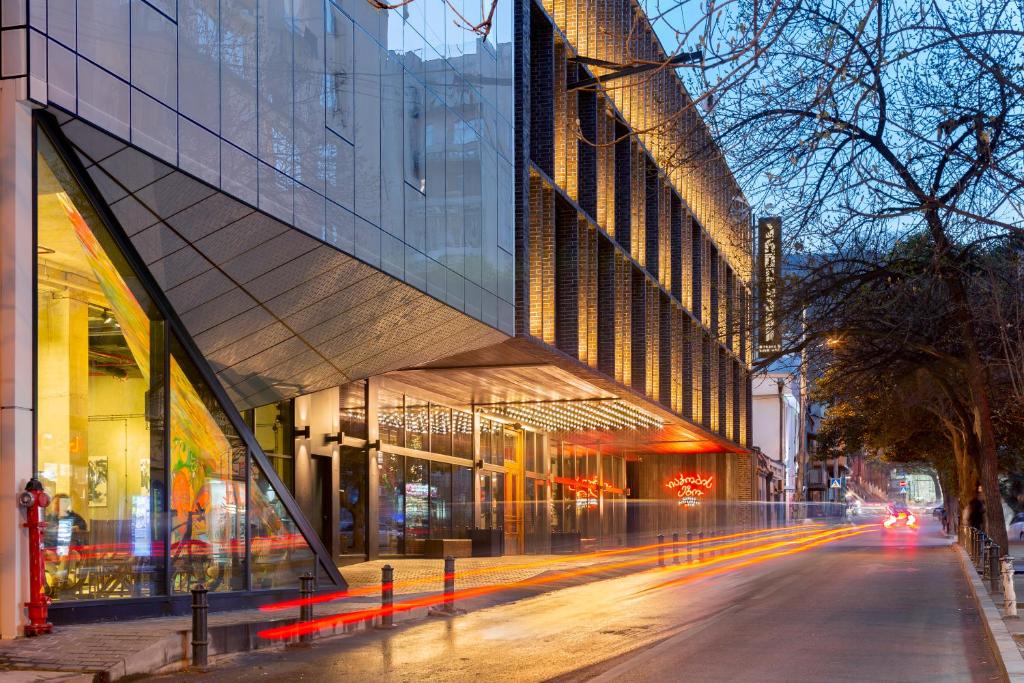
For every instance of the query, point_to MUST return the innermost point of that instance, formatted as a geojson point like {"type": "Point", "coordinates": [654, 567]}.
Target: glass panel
{"type": "Point", "coordinates": [207, 503]}
{"type": "Point", "coordinates": [462, 434]}
{"type": "Point", "coordinates": [391, 506]}
{"type": "Point", "coordinates": [417, 424]}
{"type": "Point", "coordinates": [352, 506]}
{"type": "Point", "coordinates": [440, 429]}
{"type": "Point", "coordinates": [462, 502]}
{"type": "Point", "coordinates": [440, 500]}
{"type": "Point", "coordinates": [272, 426]}
{"type": "Point", "coordinates": [492, 493]}
{"type": "Point", "coordinates": [280, 553]}
{"type": "Point", "coordinates": [417, 513]}
{"type": "Point", "coordinates": [100, 379]}
{"type": "Point", "coordinates": [390, 417]}
{"type": "Point", "coordinates": [352, 420]}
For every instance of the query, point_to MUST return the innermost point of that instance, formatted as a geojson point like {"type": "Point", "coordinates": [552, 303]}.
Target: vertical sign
{"type": "Point", "coordinates": [769, 271]}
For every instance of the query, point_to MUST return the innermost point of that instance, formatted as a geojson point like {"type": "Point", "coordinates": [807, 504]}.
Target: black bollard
{"type": "Point", "coordinates": [306, 582]}
{"type": "Point", "coordinates": [200, 634]}
{"type": "Point", "coordinates": [675, 547]}
{"type": "Point", "coordinates": [449, 584]}
{"type": "Point", "coordinates": [661, 550]}
{"type": "Point", "coordinates": [689, 547]}
{"type": "Point", "coordinates": [387, 596]}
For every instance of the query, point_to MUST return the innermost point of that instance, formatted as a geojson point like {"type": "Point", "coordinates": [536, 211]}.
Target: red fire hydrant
{"type": "Point", "coordinates": [34, 499]}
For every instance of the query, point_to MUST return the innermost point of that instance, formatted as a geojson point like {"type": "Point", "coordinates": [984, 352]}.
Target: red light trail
{"type": "Point", "coordinates": [804, 540]}
{"type": "Point", "coordinates": [375, 589]}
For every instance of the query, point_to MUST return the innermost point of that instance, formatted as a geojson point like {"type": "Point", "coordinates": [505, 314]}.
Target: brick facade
{"type": "Point", "coordinates": [628, 268]}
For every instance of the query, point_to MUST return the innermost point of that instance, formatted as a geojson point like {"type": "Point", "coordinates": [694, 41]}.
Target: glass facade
{"type": "Point", "coordinates": [286, 105]}
{"type": "Point", "coordinates": [154, 488]}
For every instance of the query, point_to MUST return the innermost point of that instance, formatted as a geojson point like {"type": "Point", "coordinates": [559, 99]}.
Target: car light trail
{"type": "Point", "coordinates": [291, 630]}
{"type": "Point", "coordinates": [375, 589]}
{"type": "Point", "coordinates": [800, 547]}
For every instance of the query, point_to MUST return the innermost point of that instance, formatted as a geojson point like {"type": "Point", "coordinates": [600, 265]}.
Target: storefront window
{"type": "Point", "coordinates": [109, 378]}
{"type": "Point", "coordinates": [99, 403]}
{"type": "Point", "coordinates": [278, 549]}
{"type": "Point", "coordinates": [352, 505]}
{"type": "Point", "coordinates": [417, 424]}
{"type": "Point", "coordinates": [462, 434]}
{"type": "Point", "coordinates": [352, 413]}
{"type": "Point", "coordinates": [208, 472]}
{"type": "Point", "coordinates": [391, 417]}
{"type": "Point", "coordinates": [391, 502]}
{"type": "Point", "coordinates": [440, 429]}
{"type": "Point", "coordinates": [462, 502]}
{"type": "Point", "coordinates": [440, 500]}
{"type": "Point", "coordinates": [417, 510]}
{"type": "Point", "coordinates": [272, 427]}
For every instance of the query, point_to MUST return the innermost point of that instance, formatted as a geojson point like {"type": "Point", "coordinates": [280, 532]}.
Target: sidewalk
{"type": "Point", "coordinates": [112, 650]}
{"type": "Point", "coordinates": [1006, 635]}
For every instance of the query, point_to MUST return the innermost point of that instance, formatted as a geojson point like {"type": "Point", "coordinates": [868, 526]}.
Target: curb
{"type": "Point", "coordinates": [1008, 655]}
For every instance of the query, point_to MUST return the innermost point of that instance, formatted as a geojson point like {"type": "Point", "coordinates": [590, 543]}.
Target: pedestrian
{"type": "Point", "coordinates": [945, 520]}
{"type": "Point", "coordinates": [976, 512]}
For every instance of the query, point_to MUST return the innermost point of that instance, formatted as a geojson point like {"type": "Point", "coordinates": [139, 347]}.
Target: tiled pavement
{"type": "Point", "coordinates": [111, 650]}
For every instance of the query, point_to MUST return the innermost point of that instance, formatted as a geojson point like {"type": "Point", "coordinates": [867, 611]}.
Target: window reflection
{"type": "Point", "coordinates": [100, 387]}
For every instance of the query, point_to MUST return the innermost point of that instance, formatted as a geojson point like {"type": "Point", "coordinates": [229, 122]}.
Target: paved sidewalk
{"type": "Point", "coordinates": [113, 650]}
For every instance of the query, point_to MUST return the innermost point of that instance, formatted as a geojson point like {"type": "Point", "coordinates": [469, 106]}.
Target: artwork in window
{"type": "Point", "coordinates": [97, 481]}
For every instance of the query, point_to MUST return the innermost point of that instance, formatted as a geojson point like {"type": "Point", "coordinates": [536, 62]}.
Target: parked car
{"type": "Point", "coordinates": [1016, 531]}
{"type": "Point", "coordinates": [938, 512]}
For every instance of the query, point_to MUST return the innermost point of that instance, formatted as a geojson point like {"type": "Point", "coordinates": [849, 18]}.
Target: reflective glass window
{"type": "Point", "coordinates": [441, 516]}
{"type": "Point", "coordinates": [417, 424]}
{"type": "Point", "coordinates": [417, 510]}
{"type": "Point", "coordinates": [391, 503]}
{"type": "Point", "coordinates": [100, 398]}
{"type": "Point", "coordinates": [440, 429]}
{"type": "Point", "coordinates": [208, 474]}
{"type": "Point", "coordinates": [462, 502]}
{"type": "Point", "coordinates": [352, 415]}
{"type": "Point", "coordinates": [462, 434]}
{"type": "Point", "coordinates": [352, 503]}
{"type": "Point", "coordinates": [280, 553]}
{"type": "Point", "coordinates": [391, 417]}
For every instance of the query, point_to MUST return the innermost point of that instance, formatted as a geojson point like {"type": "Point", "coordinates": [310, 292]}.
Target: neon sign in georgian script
{"type": "Point", "coordinates": [690, 488]}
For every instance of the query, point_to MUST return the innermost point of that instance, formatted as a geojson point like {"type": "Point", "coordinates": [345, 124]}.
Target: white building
{"type": "Point", "coordinates": [776, 423]}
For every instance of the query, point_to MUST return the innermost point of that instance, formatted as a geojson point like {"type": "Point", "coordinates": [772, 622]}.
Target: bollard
{"type": "Point", "coordinates": [306, 589]}
{"type": "Point", "coordinates": [700, 546]}
{"type": "Point", "coordinates": [983, 561]}
{"type": "Point", "coordinates": [675, 547]}
{"type": "Point", "coordinates": [200, 635]}
{"type": "Point", "coordinates": [661, 550]}
{"type": "Point", "coordinates": [387, 596]}
{"type": "Point", "coordinates": [993, 567]}
{"type": "Point", "coordinates": [1009, 591]}
{"type": "Point", "coordinates": [689, 547]}
{"type": "Point", "coordinates": [449, 584]}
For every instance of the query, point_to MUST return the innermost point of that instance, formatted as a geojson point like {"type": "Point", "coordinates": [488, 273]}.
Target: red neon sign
{"type": "Point", "coordinates": [690, 488]}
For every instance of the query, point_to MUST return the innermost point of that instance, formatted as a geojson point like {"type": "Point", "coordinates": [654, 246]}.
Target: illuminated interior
{"type": "Point", "coordinates": [109, 376]}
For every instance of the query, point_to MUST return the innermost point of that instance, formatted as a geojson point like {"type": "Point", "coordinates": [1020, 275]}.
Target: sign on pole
{"type": "Point", "coordinates": [835, 484]}
{"type": "Point", "coordinates": [769, 266]}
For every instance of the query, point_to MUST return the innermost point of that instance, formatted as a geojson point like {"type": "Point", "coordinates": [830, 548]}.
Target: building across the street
{"type": "Point", "coordinates": [285, 286]}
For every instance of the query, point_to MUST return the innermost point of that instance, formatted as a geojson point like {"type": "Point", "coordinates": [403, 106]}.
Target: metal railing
{"type": "Point", "coordinates": [986, 556]}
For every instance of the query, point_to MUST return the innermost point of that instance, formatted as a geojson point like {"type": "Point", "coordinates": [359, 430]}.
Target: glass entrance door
{"type": "Point", "coordinates": [514, 491]}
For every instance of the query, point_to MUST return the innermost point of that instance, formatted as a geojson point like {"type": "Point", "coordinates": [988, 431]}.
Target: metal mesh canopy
{"type": "Point", "coordinates": [276, 311]}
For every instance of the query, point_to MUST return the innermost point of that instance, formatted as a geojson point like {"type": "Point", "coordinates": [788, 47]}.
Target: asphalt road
{"type": "Point", "coordinates": [874, 607]}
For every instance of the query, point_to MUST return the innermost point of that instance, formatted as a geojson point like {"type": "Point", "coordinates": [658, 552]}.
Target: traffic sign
{"type": "Point", "coordinates": [903, 484]}
{"type": "Point", "coordinates": [835, 484]}
{"type": "Point", "coordinates": [903, 489]}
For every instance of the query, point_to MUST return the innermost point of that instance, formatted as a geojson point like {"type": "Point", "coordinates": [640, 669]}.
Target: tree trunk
{"type": "Point", "coordinates": [977, 381]}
